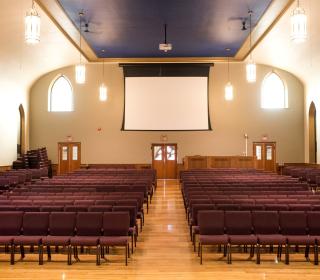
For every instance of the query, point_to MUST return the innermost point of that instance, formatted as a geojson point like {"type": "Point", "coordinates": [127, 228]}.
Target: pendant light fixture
{"type": "Point", "coordinates": [228, 90]}
{"type": "Point", "coordinates": [80, 68]}
{"type": "Point", "coordinates": [251, 67]}
{"type": "Point", "coordinates": [103, 90]}
{"type": "Point", "coordinates": [298, 24]}
{"type": "Point", "coordinates": [32, 26]}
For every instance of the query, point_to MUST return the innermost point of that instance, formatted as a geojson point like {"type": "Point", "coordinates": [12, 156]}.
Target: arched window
{"type": "Point", "coordinates": [273, 92]}
{"type": "Point", "coordinates": [60, 95]}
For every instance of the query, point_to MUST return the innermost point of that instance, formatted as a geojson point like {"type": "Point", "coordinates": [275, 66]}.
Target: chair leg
{"type": "Point", "coordinates": [49, 253]}
{"type": "Point", "coordinates": [69, 248]}
{"type": "Point", "coordinates": [22, 252]}
{"type": "Point", "coordinates": [126, 252]}
{"type": "Point", "coordinates": [128, 249]}
{"type": "Point", "coordinates": [316, 254]}
{"type": "Point", "coordinates": [190, 230]}
{"type": "Point", "coordinates": [219, 248]}
{"type": "Point", "coordinates": [287, 254]}
{"type": "Point", "coordinates": [200, 246]}
{"type": "Point", "coordinates": [306, 252]}
{"type": "Point", "coordinates": [224, 250]}
{"type": "Point", "coordinates": [13, 248]}
{"type": "Point", "coordinates": [102, 250]}
{"type": "Point", "coordinates": [132, 244]}
{"type": "Point", "coordinates": [194, 241]}
{"type": "Point", "coordinates": [280, 251]}
{"type": "Point", "coordinates": [75, 253]}
{"type": "Point", "coordinates": [40, 254]}
{"type": "Point", "coordinates": [258, 253]}
{"type": "Point", "coordinates": [31, 249]}
{"type": "Point", "coordinates": [98, 255]}
{"type": "Point", "coordinates": [251, 251]}
{"type": "Point", "coordinates": [229, 259]}
{"type": "Point", "coordinates": [56, 249]}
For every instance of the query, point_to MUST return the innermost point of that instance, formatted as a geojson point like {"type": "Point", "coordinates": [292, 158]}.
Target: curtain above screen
{"type": "Point", "coordinates": [166, 97]}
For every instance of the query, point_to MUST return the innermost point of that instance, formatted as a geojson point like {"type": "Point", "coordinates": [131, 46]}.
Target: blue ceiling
{"type": "Point", "coordinates": [134, 28]}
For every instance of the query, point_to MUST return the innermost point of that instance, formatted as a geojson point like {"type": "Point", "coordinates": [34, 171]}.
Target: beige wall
{"type": "Point", "coordinates": [230, 120]}
{"type": "Point", "coordinates": [11, 96]}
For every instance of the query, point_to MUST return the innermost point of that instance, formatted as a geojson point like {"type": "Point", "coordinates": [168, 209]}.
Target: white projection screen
{"type": "Point", "coordinates": [166, 103]}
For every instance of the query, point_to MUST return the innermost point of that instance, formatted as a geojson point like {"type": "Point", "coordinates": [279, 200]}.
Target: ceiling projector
{"type": "Point", "coordinates": [165, 47]}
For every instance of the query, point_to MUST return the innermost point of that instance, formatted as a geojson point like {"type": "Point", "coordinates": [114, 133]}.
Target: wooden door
{"type": "Point", "coordinates": [69, 157]}
{"type": "Point", "coordinates": [265, 153]}
{"type": "Point", "coordinates": [270, 157]}
{"type": "Point", "coordinates": [164, 160]}
{"type": "Point", "coordinates": [258, 154]}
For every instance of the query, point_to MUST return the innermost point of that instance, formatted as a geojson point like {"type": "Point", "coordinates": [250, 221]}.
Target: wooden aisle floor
{"type": "Point", "coordinates": [164, 251]}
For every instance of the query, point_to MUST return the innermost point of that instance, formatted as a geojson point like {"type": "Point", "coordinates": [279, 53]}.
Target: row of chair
{"type": "Point", "coordinates": [259, 228]}
{"type": "Point", "coordinates": [67, 229]}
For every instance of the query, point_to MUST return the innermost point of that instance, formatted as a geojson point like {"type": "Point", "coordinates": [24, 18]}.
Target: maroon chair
{"type": "Point", "coordinates": [313, 220]}
{"type": "Point", "coordinates": [211, 227]}
{"type": "Point", "coordinates": [293, 225]}
{"type": "Point", "coordinates": [35, 226]}
{"type": "Point", "coordinates": [193, 224]}
{"type": "Point", "coordinates": [133, 229]}
{"type": "Point", "coordinates": [115, 232]}
{"type": "Point", "coordinates": [239, 229]}
{"type": "Point", "coordinates": [88, 231]}
{"type": "Point", "coordinates": [62, 227]}
{"type": "Point", "coordinates": [266, 227]}
{"type": "Point", "coordinates": [10, 227]}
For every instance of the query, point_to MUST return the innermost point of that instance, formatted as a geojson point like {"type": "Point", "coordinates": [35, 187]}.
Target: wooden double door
{"type": "Point", "coordinates": [265, 154]}
{"type": "Point", "coordinates": [69, 157]}
{"type": "Point", "coordinates": [164, 160]}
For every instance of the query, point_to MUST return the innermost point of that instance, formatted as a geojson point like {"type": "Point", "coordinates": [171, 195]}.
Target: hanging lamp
{"type": "Point", "coordinates": [32, 26]}
{"type": "Point", "coordinates": [298, 24]}
{"type": "Point", "coordinates": [228, 90]}
{"type": "Point", "coordinates": [80, 68]}
{"type": "Point", "coordinates": [103, 90]}
{"type": "Point", "coordinates": [251, 67]}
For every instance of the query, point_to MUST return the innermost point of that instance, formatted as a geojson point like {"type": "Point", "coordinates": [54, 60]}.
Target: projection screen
{"type": "Point", "coordinates": [164, 103]}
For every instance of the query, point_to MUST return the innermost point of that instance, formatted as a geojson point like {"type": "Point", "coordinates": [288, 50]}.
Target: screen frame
{"type": "Point", "coordinates": [166, 70]}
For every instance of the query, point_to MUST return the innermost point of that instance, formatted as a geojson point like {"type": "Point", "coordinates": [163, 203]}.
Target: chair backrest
{"type": "Point", "coordinates": [35, 223]}
{"type": "Point", "coordinates": [89, 223]}
{"type": "Point", "coordinates": [227, 207]}
{"type": "Point", "coordinates": [10, 222]}
{"type": "Point", "coordinates": [116, 223]}
{"type": "Point", "coordinates": [265, 222]}
{"type": "Point", "coordinates": [211, 222]}
{"type": "Point", "coordinates": [106, 202]}
{"type": "Point", "coordinates": [293, 222]}
{"type": "Point", "coordinates": [62, 223]}
{"type": "Point", "coordinates": [51, 208]}
{"type": "Point", "coordinates": [100, 208]}
{"type": "Point", "coordinates": [238, 222]}
{"type": "Point", "coordinates": [75, 208]}
{"type": "Point", "coordinates": [132, 212]}
{"type": "Point", "coordinates": [313, 220]}
{"type": "Point", "coordinates": [276, 207]}
{"type": "Point", "coordinates": [199, 207]}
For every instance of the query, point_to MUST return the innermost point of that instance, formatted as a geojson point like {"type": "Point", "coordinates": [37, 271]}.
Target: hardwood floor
{"type": "Point", "coordinates": [164, 251]}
